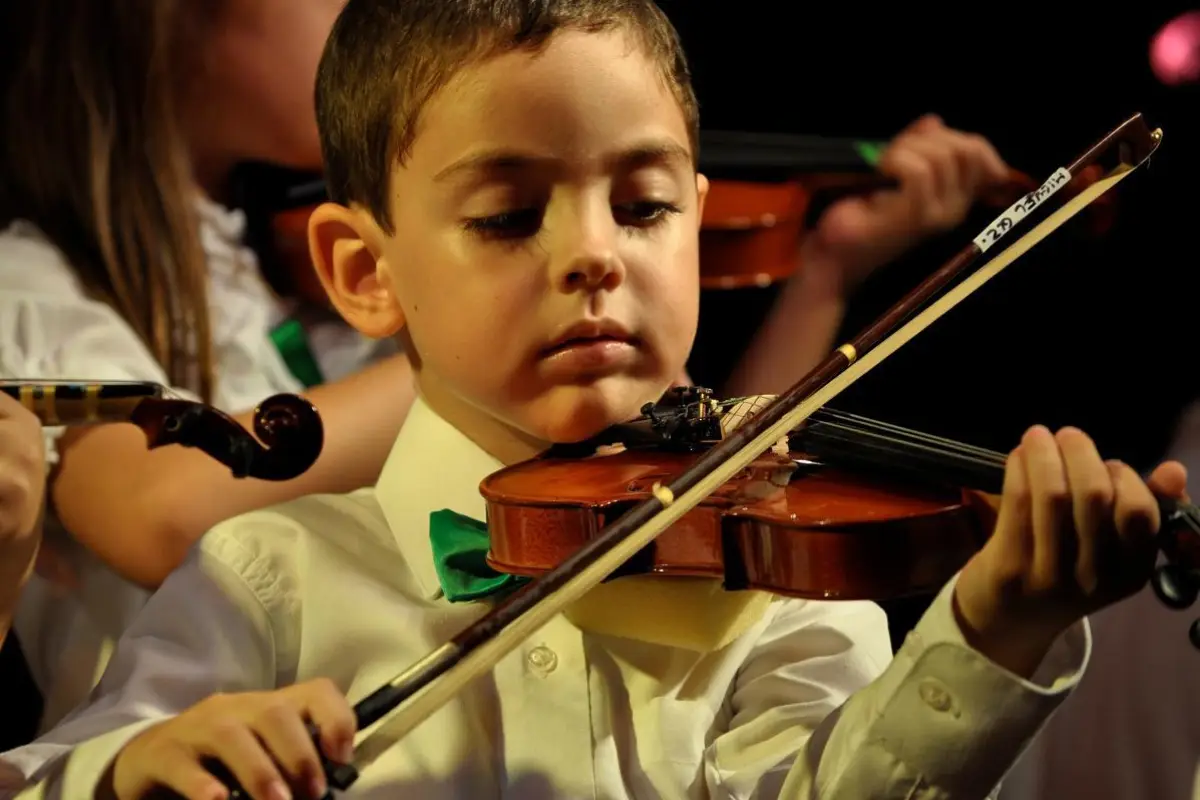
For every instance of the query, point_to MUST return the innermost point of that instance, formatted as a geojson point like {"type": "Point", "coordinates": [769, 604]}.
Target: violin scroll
{"type": "Point", "coordinates": [1177, 582]}
{"type": "Point", "coordinates": [288, 424]}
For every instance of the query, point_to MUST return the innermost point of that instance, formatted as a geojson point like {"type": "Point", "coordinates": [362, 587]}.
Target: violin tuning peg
{"type": "Point", "coordinates": [1175, 586]}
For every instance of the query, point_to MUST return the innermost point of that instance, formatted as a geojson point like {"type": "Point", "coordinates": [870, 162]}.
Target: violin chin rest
{"type": "Point", "coordinates": [693, 614]}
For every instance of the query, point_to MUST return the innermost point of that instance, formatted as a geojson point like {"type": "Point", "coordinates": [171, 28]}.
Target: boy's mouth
{"type": "Point", "coordinates": [595, 333]}
{"type": "Point", "coordinates": [597, 345]}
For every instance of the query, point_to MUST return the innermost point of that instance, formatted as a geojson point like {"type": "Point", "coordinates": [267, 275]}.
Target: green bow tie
{"type": "Point", "coordinates": [460, 546]}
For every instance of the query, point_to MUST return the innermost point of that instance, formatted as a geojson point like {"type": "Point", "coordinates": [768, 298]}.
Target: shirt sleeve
{"type": "Point", "coordinates": [817, 714]}
{"type": "Point", "coordinates": [51, 330]}
{"type": "Point", "coordinates": [208, 629]}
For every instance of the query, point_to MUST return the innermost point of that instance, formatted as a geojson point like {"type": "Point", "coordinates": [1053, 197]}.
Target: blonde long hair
{"type": "Point", "coordinates": [93, 155]}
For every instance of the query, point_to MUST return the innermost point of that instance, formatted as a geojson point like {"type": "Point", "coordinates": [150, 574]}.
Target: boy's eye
{"type": "Point", "coordinates": [526, 222]}
{"type": "Point", "coordinates": [644, 212]}
{"type": "Point", "coordinates": [509, 225]}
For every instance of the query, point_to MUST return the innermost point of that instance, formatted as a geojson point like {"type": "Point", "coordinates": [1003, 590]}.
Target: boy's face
{"type": "Point", "coordinates": [545, 254]}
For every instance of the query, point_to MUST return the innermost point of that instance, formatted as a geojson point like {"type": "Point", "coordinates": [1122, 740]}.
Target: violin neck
{"type": "Point", "coordinates": [80, 403]}
{"type": "Point", "coordinates": [847, 440]}
{"type": "Point", "coordinates": [739, 155]}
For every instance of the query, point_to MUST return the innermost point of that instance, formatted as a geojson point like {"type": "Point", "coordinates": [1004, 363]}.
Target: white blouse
{"type": "Point", "coordinates": [51, 330]}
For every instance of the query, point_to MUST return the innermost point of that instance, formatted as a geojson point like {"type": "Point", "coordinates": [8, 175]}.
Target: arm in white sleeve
{"type": "Point", "coordinates": [941, 720]}
{"type": "Point", "coordinates": [208, 629]}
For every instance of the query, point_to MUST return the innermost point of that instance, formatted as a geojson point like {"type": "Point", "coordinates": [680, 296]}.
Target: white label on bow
{"type": "Point", "coordinates": [1020, 209]}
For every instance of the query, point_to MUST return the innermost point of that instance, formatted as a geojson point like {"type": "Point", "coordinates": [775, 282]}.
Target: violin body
{"type": "Point", "coordinates": [785, 525]}
{"type": "Point", "coordinates": [750, 233]}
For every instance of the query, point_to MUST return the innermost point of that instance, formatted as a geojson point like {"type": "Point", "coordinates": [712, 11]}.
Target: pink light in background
{"type": "Point", "coordinates": [1175, 50]}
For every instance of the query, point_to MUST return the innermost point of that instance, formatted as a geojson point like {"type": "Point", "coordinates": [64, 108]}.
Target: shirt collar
{"type": "Point", "coordinates": [432, 466]}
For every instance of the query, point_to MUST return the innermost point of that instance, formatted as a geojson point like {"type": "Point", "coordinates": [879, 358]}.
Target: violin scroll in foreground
{"type": "Point", "coordinates": [287, 424]}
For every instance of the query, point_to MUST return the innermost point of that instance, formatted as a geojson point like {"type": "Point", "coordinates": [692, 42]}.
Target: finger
{"type": "Point", "coordinates": [918, 183]}
{"type": "Point", "coordinates": [940, 151]}
{"type": "Point", "coordinates": [993, 169]}
{"type": "Point", "coordinates": [974, 166]}
{"type": "Point", "coordinates": [925, 124]}
{"type": "Point", "coordinates": [331, 713]}
{"type": "Point", "coordinates": [11, 407]}
{"type": "Point", "coordinates": [1014, 519]}
{"type": "Point", "coordinates": [178, 772]}
{"type": "Point", "coordinates": [1169, 479]}
{"type": "Point", "coordinates": [241, 752]}
{"type": "Point", "coordinates": [1054, 539]}
{"type": "Point", "coordinates": [1136, 511]}
{"type": "Point", "coordinates": [1092, 498]}
{"type": "Point", "coordinates": [281, 728]}
{"type": "Point", "coordinates": [23, 442]}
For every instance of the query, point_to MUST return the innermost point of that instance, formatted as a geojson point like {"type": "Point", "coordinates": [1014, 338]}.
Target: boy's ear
{"type": "Point", "coordinates": [346, 245]}
{"type": "Point", "coordinates": [701, 195]}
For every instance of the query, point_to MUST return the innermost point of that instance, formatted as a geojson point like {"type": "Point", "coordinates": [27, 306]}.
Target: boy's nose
{"type": "Point", "coordinates": [593, 271]}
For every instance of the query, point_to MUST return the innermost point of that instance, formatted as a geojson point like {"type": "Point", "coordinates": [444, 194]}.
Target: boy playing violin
{"type": "Point", "coordinates": [516, 197]}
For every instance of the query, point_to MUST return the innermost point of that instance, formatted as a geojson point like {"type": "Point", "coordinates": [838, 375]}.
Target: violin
{"type": "Point", "coordinates": [850, 509]}
{"type": "Point", "coordinates": [288, 426]}
{"type": "Point", "coordinates": [765, 191]}
{"type": "Point", "coordinates": [824, 518]}
{"type": "Point", "coordinates": [798, 499]}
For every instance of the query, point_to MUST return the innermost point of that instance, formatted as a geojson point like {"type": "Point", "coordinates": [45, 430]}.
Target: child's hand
{"type": "Point", "coordinates": [941, 172]}
{"type": "Point", "coordinates": [256, 735]}
{"type": "Point", "coordinates": [1074, 534]}
{"type": "Point", "coordinates": [22, 487]}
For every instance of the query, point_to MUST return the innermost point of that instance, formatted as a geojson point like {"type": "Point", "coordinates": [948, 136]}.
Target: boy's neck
{"type": "Point", "coordinates": [498, 439]}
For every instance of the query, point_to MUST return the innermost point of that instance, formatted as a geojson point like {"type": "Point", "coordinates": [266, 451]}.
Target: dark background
{"type": "Point", "coordinates": [1090, 332]}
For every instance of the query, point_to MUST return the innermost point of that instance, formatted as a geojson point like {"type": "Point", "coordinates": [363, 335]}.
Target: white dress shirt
{"type": "Point", "coordinates": [51, 330]}
{"type": "Point", "coordinates": [344, 587]}
{"type": "Point", "coordinates": [1132, 732]}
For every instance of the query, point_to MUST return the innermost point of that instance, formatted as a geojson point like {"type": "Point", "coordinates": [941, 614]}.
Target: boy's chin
{"type": "Point", "coordinates": [568, 414]}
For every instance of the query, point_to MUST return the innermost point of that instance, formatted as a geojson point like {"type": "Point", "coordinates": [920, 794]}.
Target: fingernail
{"type": "Point", "coordinates": [347, 752]}
{"type": "Point", "coordinates": [279, 791]}
{"type": "Point", "coordinates": [316, 786]}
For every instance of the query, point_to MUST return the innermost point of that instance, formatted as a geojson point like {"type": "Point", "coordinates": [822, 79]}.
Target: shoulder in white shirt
{"type": "Point", "coordinates": [343, 587]}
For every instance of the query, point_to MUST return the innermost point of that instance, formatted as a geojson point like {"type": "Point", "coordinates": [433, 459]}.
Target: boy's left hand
{"type": "Point", "coordinates": [1075, 534]}
{"type": "Point", "coordinates": [941, 172]}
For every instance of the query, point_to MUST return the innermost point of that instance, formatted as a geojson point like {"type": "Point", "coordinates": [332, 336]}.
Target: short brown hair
{"type": "Point", "coordinates": [386, 58]}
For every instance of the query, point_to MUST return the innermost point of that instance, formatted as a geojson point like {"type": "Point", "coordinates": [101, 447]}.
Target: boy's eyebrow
{"type": "Point", "coordinates": [506, 159]}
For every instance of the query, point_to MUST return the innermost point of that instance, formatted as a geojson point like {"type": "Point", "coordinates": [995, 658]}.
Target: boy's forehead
{"type": "Point", "coordinates": [580, 90]}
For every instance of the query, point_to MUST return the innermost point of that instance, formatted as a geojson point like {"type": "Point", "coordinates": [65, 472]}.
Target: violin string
{"type": "Point", "coordinates": [826, 415]}
{"type": "Point", "coordinates": [852, 434]}
{"type": "Point", "coordinates": [866, 422]}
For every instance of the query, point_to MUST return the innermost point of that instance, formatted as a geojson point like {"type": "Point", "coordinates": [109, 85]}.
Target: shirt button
{"type": "Point", "coordinates": [542, 660]}
{"type": "Point", "coordinates": [935, 695]}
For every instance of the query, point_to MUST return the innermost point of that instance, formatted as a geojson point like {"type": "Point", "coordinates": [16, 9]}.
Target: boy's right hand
{"type": "Point", "coordinates": [1074, 534]}
{"type": "Point", "coordinates": [260, 737]}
